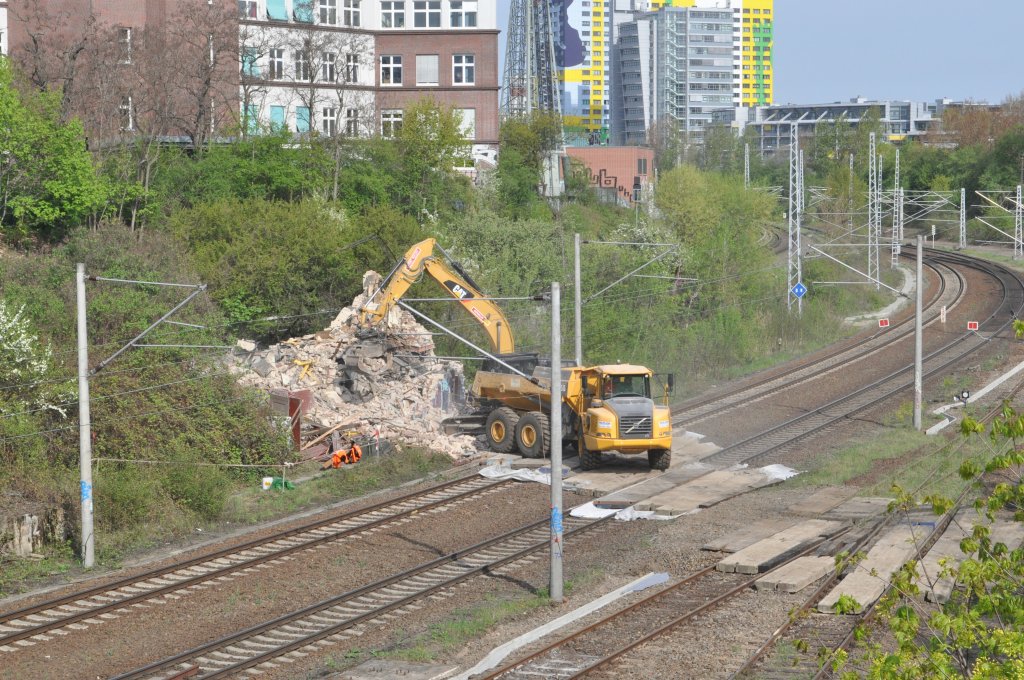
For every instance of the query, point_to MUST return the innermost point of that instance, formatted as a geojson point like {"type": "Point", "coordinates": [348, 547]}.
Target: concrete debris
{"type": "Point", "coordinates": [405, 397]}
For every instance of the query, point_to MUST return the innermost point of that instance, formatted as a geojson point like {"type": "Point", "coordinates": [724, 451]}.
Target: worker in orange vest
{"type": "Point", "coordinates": [345, 457]}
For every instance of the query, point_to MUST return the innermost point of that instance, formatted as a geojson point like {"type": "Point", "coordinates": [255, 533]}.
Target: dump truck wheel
{"type": "Point", "coordinates": [589, 460]}
{"type": "Point", "coordinates": [533, 435]}
{"type": "Point", "coordinates": [501, 429]}
{"type": "Point", "coordinates": [659, 458]}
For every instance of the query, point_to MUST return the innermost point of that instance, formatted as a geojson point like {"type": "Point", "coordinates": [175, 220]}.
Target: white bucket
{"type": "Point", "coordinates": [267, 481]}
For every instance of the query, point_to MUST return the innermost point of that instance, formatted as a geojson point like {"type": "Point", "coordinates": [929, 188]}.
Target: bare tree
{"type": "Point", "coordinates": [202, 42]}
{"type": "Point", "coordinates": [55, 39]}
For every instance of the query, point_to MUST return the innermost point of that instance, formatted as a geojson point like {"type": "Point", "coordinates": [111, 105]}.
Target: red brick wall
{"type": "Point", "coordinates": [482, 96]}
{"type": "Point", "coordinates": [615, 167]}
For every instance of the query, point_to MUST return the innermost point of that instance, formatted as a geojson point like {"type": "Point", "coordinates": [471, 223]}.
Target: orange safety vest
{"type": "Point", "coordinates": [353, 455]}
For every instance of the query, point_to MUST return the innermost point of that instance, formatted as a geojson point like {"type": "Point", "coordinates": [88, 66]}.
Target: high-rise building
{"type": "Point", "coordinates": [676, 61]}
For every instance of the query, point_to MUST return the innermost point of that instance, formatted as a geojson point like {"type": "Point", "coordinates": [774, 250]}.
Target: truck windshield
{"type": "Point", "coordinates": [627, 386]}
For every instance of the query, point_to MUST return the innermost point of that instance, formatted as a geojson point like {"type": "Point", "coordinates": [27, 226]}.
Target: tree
{"type": "Point", "coordinates": [979, 632]}
{"type": "Point", "coordinates": [430, 145]}
{"type": "Point", "coordinates": [47, 181]}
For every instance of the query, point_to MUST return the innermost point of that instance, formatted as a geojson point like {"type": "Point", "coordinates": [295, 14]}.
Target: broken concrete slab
{"type": "Point", "coordinates": [708, 490]}
{"type": "Point", "coordinates": [859, 508]}
{"type": "Point", "coordinates": [777, 548]}
{"type": "Point", "coordinates": [871, 576]}
{"type": "Point", "coordinates": [748, 535]}
{"type": "Point", "coordinates": [656, 485]}
{"type": "Point", "coordinates": [938, 588]}
{"type": "Point", "coordinates": [797, 575]}
{"type": "Point", "coordinates": [822, 500]}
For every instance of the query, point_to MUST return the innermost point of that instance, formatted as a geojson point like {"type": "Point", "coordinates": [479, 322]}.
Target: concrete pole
{"type": "Point", "coordinates": [556, 444]}
{"type": "Point", "coordinates": [578, 301]}
{"type": "Point", "coordinates": [917, 334]}
{"type": "Point", "coordinates": [84, 425]}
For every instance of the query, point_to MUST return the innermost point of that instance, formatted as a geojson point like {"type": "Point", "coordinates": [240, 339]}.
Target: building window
{"type": "Point", "coordinates": [302, 65]}
{"type": "Point", "coordinates": [249, 66]}
{"type": "Point", "coordinates": [328, 74]}
{"type": "Point", "coordinates": [391, 70]}
{"type": "Point", "coordinates": [463, 14]}
{"type": "Point", "coordinates": [351, 68]}
{"type": "Point", "coordinates": [124, 44]}
{"type": "Point", "coordinates": [641, 166]}
{"type": "Point", "coordinates": [302, 119]}
{"type": "Point", "coordinates": [127, 114]}
{"type": "Point", "coordinates": [329, 121]}
{"type": "Point", "coordinates": [329, 12]}
{"type": "Point", "coordinates": [276, 118]}
{"type": "Point", "coordinates": [247, 9]}
{"type": "Point", "coordinates": [351, 122]}
{"type": "Point", "coordinates": [276, 10]}
{"type": "Point", "coordinates": [252, 119]}
{"type": "Point", "coordinates": [426, 13]}
{"type": "Point", "coordinates": [276, 65]}
{"type": "Point", "coordinates": [390, 122]}
{"type": "Point", "coordinates": [351, 12]}
{"type": "Point", "coordinates": [302, 10]}
{"type": "Point", "coordinates": [463, 69]}
{"type": "Point", "coordinates": [468, 123]}
{"type": "Point", "coordinates": [426, 69]}
{"type": "Point", "coordinates": [392, 14]}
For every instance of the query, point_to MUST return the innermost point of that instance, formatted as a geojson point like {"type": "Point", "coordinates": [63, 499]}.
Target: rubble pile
{"type": "Point", "coordinates": [404, 394]}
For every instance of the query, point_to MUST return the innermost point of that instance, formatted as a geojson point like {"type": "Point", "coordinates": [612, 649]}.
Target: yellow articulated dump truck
{"type": "Point", "coordinates": [604, 408]}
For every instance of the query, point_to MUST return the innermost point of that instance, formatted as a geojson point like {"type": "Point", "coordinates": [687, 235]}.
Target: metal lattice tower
{"type": "Point", "coordinates": [793, 258]}
{"type": "Point", "coordinates": [873, 208]}
{"type": "Point", "coordinates": [1018, 228]}
{"type": "Point", "coordinates": [896, 176]}
{"type": "Point", "coordinates": [963, 218]}
{"type": "Point", "coordinates": [530, 81]}
{"type": "Point", "coordinates": [897, 227]}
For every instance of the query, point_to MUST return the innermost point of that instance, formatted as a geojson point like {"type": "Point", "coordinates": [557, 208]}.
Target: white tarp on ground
{"type": "Point", "coordinates": [778, 471]}
{"type": "Point", "coordinates": [591, 511]}
{"type": "Point", "coordinates": [542, 475]}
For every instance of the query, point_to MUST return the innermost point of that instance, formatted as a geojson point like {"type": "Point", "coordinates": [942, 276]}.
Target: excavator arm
{"type": "Point", "coordinates": [453, 279]}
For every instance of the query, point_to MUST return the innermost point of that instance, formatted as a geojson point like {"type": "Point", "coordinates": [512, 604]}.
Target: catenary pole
{"type": "Point", "coordinates": [578, 302]}
{"type": "Point", "coordinates": [84, 425]}
{"type": "Point", "coordinates": [556, 444]}
{"type": "Point", "coordinates": [917, 336]}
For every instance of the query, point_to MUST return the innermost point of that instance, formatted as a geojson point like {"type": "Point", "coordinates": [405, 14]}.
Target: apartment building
{"type": "Point", "coordinates": [676, 65]}
{"type": "Point", "coordinates": [353, 66]}
{"type": "Point", "coordinates": [639, 62]}
{"type": "Point", "coordinates": [333, 67]}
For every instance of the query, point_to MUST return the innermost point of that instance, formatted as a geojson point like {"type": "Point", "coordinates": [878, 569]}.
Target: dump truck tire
{"type": "Point", "coordinates": [659, 458]}
{"type": "Point", "coordinates": [501, 429]}
{"type": "Point", "coordinates": [589, 460]}
{"type": "Point", "coordinates": [533, 435]}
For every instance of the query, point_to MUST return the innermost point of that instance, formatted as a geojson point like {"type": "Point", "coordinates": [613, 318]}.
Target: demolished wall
{"type": "Point", "coordinates": [404, 394]}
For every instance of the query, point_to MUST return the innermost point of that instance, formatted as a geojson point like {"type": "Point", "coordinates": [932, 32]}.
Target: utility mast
{"type": "Point", "coordinates": [530, 81]}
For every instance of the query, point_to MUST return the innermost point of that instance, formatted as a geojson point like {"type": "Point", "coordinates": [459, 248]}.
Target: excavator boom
{"type": "Point", "coordinates": [453, 279]}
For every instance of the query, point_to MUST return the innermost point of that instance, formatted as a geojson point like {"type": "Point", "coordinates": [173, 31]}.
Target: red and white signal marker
{"type": "Point", "coordinates": [972, 325]}
{"type": "Point", "coordinates": [883, 323]}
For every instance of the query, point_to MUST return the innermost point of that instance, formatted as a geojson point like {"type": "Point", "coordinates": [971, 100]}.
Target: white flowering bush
{"type": "Point", "coordinates": [25, 362]}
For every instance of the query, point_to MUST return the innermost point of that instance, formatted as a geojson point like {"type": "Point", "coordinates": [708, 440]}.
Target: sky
{"type": "Point", "coordinates": [921, 50]}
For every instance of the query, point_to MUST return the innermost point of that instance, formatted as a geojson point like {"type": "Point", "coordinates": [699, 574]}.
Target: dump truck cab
{"type": "Point", "coordinates": [618, 413]}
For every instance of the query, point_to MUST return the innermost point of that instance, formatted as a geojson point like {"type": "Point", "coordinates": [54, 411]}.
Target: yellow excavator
{"type": "Point", "coordinates": [453, 278]}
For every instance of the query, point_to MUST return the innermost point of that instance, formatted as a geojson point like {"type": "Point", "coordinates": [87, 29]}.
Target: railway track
{"type": "Point", "coordinates": [36, 624]}
{"type": "Point", "coordinates": [951, 291]}
{"type": "Point", "coordinates": [808, 641]}
{"type": "Point", "coordinates": [584, 653]}
{"type": "Point", "coordinates": [333, 620]}
{"type": "Point", "coordinates": [786, 434]}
